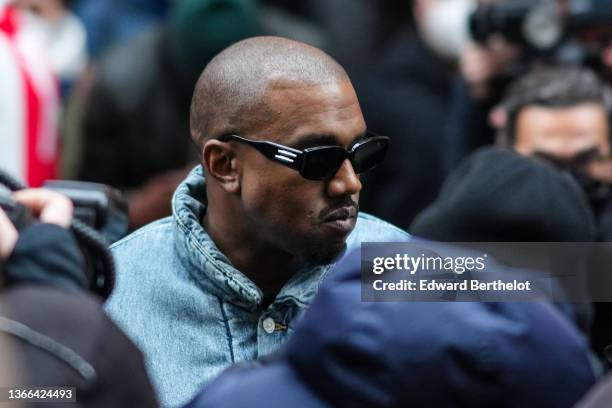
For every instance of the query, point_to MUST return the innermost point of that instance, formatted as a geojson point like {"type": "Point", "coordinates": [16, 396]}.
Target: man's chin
{"type": "Point", "coordinates": [325, 253]}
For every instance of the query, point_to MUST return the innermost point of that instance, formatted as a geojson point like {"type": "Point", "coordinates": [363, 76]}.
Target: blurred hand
{"type": "Point", "coordinates": [479, 64]}
{"type": "Point", "coordinates": [48, 206]}
{"type": "Point", "coordinates": [8, 236]}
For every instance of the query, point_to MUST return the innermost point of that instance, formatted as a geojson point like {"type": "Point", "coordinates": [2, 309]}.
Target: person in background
{"type": "Point", "coordinates": [350, 353]}
{"type": "Point", "coordinates": [63, 37]}
{"type": "Point", "coordinates": [58, 334]}
{"type": "Point", "coordinates": [488, 68]}
{"type": "Point", "coordinates": [562, 115]}
{"type": "Point", "coordinates": [405, 93]}
{"type": "Point", "coordinates": [496, 195]}
{"type": "Point", "coordinates": [112, 22]}
{"type": "Point", "coordinates": [135, 129]}
{"type": "Point", "coordinates": [29, 101]}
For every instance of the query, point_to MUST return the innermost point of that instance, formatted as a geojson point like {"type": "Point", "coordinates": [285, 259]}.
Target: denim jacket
{"type": "Point", "coordinates": [190, 311]}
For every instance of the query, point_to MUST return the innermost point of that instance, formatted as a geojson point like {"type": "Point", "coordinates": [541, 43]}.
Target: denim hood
{"type": "Point", "coordinates": [210, 268]}
{"type": "Point", "coordinates": [190, 311]}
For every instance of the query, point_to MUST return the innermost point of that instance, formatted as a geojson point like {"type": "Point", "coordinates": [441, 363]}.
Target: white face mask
{"type": "Point", "coordinates": [444, 26]}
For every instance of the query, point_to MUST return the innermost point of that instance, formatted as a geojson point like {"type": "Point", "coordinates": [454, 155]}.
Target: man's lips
{"type": "Point", "coordinates": [342, 220]}
{"type": "Point", "coordinates": [341, 213]}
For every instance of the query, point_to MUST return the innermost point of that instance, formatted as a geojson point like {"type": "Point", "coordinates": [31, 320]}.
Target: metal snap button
{"type": "Point", "coordinates": [269, 325]}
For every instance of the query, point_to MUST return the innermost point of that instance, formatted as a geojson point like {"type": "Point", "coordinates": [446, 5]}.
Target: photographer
{"type": "Point", "coordinates": [57, 333]}
{"type": "Point", "coordinates": [510, 38]}
{"type": "Point", "coordinates": [42, 251]}
{"type": "Point", "coordinates": [562, 116]}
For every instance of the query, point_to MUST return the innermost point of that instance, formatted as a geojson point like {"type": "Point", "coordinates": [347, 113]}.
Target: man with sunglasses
{"type": "Point", "coordinates": [257, 226]}
{"type": "Point", "coordinates": [561, 115]}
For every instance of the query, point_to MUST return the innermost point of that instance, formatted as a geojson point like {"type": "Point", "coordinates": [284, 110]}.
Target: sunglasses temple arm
{"type": "Point", "coordinates": [288, 157]}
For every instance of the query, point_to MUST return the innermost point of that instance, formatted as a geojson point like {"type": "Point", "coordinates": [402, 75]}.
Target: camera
{"type": "Point", "coordinates": [96, 205]}
{"type": "Point", "coordinates": [100, 218]}
{"type": "Point", "coordinates": [542, 25]}
{"type": "Point", "coordinates": [99, 206]}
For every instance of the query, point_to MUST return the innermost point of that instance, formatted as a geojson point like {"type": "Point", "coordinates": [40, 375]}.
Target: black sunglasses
{"type": "Point", "coordinates": [322, 162]}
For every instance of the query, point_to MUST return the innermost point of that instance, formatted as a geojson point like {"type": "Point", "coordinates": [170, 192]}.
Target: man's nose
{"type": "Point", "coordinates": [344, 182]}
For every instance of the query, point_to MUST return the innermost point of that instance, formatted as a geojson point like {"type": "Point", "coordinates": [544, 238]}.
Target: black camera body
{"type": "Point", "coordinates": [98, 206]}
{"type": "Point", "coordinates": [540, 25]}
{"type": "Point", "coordinates": [100, 218]}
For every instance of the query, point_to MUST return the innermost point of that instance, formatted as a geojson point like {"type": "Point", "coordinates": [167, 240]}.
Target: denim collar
{"type": "Point", "coordinates": [211, 269]}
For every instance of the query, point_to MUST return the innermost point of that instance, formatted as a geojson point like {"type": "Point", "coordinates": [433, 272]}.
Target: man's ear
{"type": "Point", "coordinates": [221, 164]}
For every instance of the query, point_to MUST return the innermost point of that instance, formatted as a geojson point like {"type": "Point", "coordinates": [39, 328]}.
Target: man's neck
{"type": "Point", "coordinates": [268, 267]}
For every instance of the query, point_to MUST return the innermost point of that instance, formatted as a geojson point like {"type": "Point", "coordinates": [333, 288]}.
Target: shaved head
{"type": "Point", "coordinates": [230, 95]}
{"type": "Point", "coordinates": [286, 92]}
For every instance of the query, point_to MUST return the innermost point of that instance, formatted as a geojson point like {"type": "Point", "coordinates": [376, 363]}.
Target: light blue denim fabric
{"type": "Point", "coordinates": [190, 311]}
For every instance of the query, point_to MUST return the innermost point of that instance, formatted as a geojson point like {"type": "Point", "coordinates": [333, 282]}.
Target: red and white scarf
{"type": "Point", "coordinates": [29, 103]}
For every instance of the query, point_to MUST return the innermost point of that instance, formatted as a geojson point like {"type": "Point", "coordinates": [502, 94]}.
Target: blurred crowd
{"type": "Point", "coordinates": [100, 91]}
{"type": "Point", "coordinates": [104, 86]}
{"type": "Point", "coordinates": [107, 100]}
